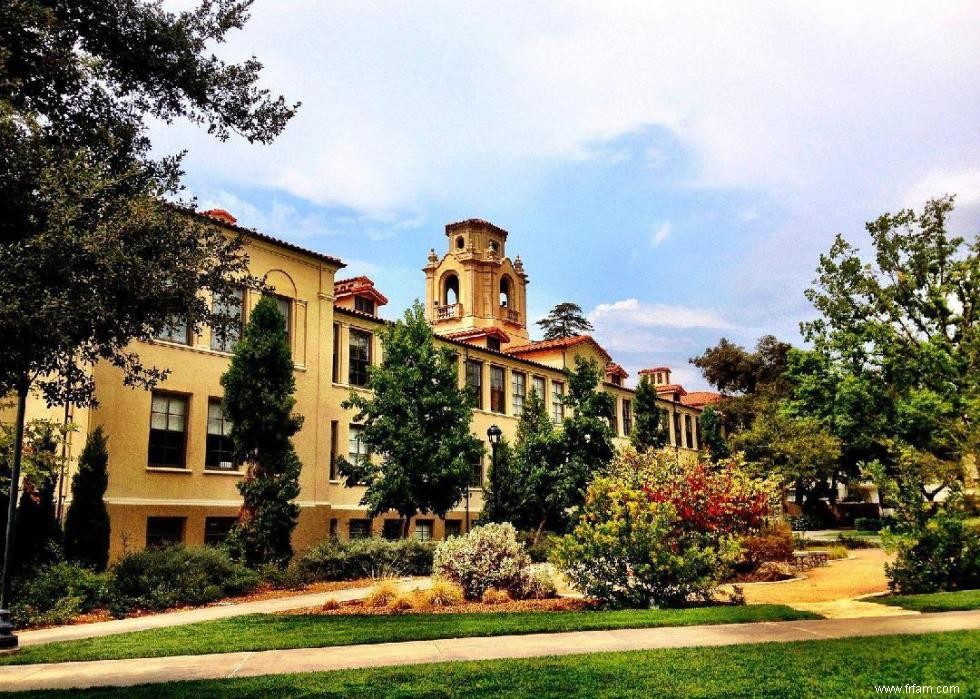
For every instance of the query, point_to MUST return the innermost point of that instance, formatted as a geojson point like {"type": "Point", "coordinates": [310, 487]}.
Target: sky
{"type": "Point", "coordinates": [676, 169]}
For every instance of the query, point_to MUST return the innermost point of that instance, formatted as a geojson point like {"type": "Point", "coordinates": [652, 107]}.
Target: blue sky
{"type": "Point", "coordinates": [675, 169]}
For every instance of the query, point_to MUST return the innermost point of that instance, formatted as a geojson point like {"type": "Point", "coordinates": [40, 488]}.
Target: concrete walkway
{"type": "Point", "coordinates": [192, 616]}
{"type": "Point", "coordinates": [106, 673]}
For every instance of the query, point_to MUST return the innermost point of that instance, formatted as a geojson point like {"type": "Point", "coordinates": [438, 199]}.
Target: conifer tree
{"type": "Point", "coordinates": [40, 533]}
{"type": "Point", "coordinates": [650, 430]}
{"type": "Point", "coordinates": [259, 402]}
{"type": "Point", "coordinates": [87, 521]}
{"type": "Point", "coordinates": [565, 320]}
{"type": "Point", "coordinates": [416, 423]}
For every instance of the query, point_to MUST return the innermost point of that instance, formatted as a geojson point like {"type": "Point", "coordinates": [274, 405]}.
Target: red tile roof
{"type": "Point", "coordinates": [654, 370]}
{"type": "Point", "coordinates": [474, 223]}
{"type": "Point", "coordinates": [358, 286]}
{"type": "Point", "coordinates": [699, 399]}
{"type": "Point", "coordinates": [540, 346]}
{"type": "Point", "coordinates": [615, 370]}
{"type": "Point", "coordinates": [671, 388]}
{"type": "Point", "coordinates": [474, 333]}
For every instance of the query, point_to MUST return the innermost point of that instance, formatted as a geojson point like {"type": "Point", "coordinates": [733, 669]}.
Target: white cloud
{"type": "Point", "coordinates": [415, 101]}
{"type": "Point", "coordinates": [661, 234]}
{"type": "Point", "coordinates": [964, 183]}
{"type": "Point", "coordinates": [630, 313]}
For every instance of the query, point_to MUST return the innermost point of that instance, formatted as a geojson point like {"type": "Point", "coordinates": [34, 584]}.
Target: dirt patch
{"type": "Point", "coordinates": [358, 607]}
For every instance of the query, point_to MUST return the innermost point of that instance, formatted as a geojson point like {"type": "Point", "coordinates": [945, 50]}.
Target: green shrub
{"type": "Point", "coordinates": [942, 556]}
{"type": "Point", "coordinates": [488, 556]}
{"type": "Point", "coordinates": [868, 524]}
{"type": "Point", "coordinates": [540, 551]}
{"type": "Point", "coordinates": [363, 558]}
{"type": "Point", "coordinates": [56, 594]}
{"type": "Point", "coordinates": [157, 579]}
{"type": "Point", "coordinates": [856, 542]}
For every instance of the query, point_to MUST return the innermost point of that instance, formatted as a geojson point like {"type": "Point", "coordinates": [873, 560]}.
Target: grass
{"type": "Point", "coordinates": [836, 668]}
{"type": "Point", "coordinates": [935, 601]}
{"type": "Point", "coordinates": [267, 631]}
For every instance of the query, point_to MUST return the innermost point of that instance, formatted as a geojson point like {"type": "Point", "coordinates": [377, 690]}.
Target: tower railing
{"type": "Point", "coordinates": [510, 315]}
{"type": "Point", "coordinates": [449, 311]}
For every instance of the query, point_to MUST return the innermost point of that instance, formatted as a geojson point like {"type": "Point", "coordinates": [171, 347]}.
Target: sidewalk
{"type": "Point", "coordinates": [105, 673]}
{"type": "Point", "coordinates": [192, 616]}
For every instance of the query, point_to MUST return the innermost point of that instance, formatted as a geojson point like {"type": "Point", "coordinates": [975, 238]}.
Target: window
{"type": "Point", "coordinates": [335, 376]}
{"type": "Point", "coordinates": [219, 451]}
{"type": "Point", "coordinates": [286, 311]}
{"type": "Point", "coordinates": [454, 527]}
{"type": "Point", "coordinates": [231, 307]}
{"type": "Point", "coordinates": [677, 430]}
{"type": "Point", "coordinates": [518, 389]}
{"type": "Point", "coordinates": [334, 526]}
{"type": "Point", "coordinates": [476, 476]}
{"type": "Point", "coordinates": [616, 380]}
{"type": "Point", "coordinates": [474, 380]}
{"type": "Point", "coordinates": [164, 531]}
{"type": "Point", "coordinates": [167, 430]}
{"type": "Point", "coordinates": [392, 529]}
{"type": "Point", "coordinates": [627, 417]}
{"type": "Point", "coordinates": [364, 305]}
{"type": "Point", "coordinates": [557, 407]}
{"type": "Point", "coordinates": [216, 529]}
{"type": "Point", "coordinates": [493, 343]}
{"type": "Point", "coordinates": [688, 432]}
{"type": "Point", "coordinates": [359, 529]}
{"type": "Point", "coordinates": [423, 529]}
{"type": "Point", "coordinates": [357, 450]}
{"type": "Point", "coordinates": [175, 330]}
{"type": "Point", "coordinates": [450, 291]}
{"type": "Point", "coordinates": [497, 389]}
{"type": "Point", "coordinates": [360, 357]}
{"type": "Point", "coordinates": [333, 450]}
{"type": "Point", "coordinates": [504, 292]}
{"type": "Point", "coordinates": [537, 385]}
{"type": "Point", "coordinates": [614, 418]}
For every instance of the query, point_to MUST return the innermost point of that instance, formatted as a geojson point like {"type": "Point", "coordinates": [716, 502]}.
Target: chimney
{"type": "Point", "coordinates": [221, 215]}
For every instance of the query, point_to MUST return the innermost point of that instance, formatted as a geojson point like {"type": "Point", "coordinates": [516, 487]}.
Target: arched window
{"type": "Point", "coordinates": [505, 292]}
{"type": "Point", "coordinates": [460, 242]}
{"type": "Point", "coordinates": [450, 290]}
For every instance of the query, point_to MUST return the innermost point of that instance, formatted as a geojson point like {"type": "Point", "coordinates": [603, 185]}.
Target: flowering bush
{"type": "Point", "coordinates": [658, 532]}
{"type": "Point", "coordinates": [488, 556]}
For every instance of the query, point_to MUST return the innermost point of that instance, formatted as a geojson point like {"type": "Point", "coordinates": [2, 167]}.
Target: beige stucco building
{"type": "Point", "coordinates": [170, 476]}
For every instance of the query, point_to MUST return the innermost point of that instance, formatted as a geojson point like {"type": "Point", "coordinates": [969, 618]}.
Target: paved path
{"type": "Point", "coordinates": [192, 616]}
{"type": "Point", "coordinates": [224, 665]}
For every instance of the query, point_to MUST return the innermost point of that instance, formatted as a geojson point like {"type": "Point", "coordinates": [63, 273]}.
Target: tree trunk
{"type": "Point", "coordinates": [537, 533]}
{"type": "Point", "coordinates": [14, 492]}
{"type": "Point", "coordinates": [406, 520]}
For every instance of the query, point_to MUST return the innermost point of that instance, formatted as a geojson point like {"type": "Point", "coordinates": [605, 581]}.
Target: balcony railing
{"type": "Point", "coordinates": [510, 315]}
{"type": "Point", "coordinates": [449, 311]}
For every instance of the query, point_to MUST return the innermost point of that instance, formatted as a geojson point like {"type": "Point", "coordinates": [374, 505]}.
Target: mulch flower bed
{"type": "Point", "coordinates": [358, 607]}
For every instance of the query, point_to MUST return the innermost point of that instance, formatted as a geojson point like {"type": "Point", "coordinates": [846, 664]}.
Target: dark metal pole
{"type": "Point", "coordinates": [7, 637]}
{"type": "Point", "coordinates": [64, 462]}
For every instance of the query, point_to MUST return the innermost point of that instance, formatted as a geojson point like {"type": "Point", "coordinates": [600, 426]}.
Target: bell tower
{"type": "Point", "coordinates": [475, 290]}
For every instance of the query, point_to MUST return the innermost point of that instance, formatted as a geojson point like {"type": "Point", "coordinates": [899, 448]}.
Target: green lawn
{"type": "Point", "coordinates": [934, 602]}
{"type": "Point", "coordinates": [838, 668]}
{"type": "Point", "coordinates": [268, 631]}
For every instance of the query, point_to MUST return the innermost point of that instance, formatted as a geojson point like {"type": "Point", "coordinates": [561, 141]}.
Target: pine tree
{"type": "Point", "coordinates": [709, 425]}
{"type": "Point", "coordinates": [417, 423]}
{"type": "Point", "coordinates": [87, 521]}
{"type": "Point", "coordinates": [259, 402]}
{"type": "Point", "coordinates": [650, 430]}
{"type": "Point", "coordinates": [565, 320]}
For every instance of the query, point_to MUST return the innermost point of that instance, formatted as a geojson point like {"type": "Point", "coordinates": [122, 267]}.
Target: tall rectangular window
{"type": "Point", "coordinates": [175, 330]}
{"type": "Point", "coordinates": [627, 417]}
{"type": "Point", "coordinates": [476, 476]}
{"type": "Point", "coordinates": [497, 394]}
{"type": "Point", "coordinates": [285, 307]}
{"type": "Point", "coordinates": [474, 381]}
{"type": "Point", "coordinates": [219, 451]}
{"type": "Point", "coordinates": [688, 432]}
{"type": "Point", "coordinates": [614, 420]}
{"type": "Point", "coordinates": [168, 429]}
{"type": "Point", "coordinates": [677, 430]}
{"type": "Point", "coordinates": [537, 385]}
{"type": "Point", "coordinates": [359, 357]}
{"type": "Point", "coordinates": [557, 407]}
{"type": "Point", "coordinates": [231, 307]}
{"type": "Point", "coordinates": [518, 390]}
{"type": "Point", "coordinates": [357, 450]}
{"type": "Point", "coordinates": [335, 367]}
{"type": "Point", "coordinates": [164, 531]}
{"type": "Point", "coordinates": [423, 529]}
{"type": "Point", "coordinates": [333, 451]}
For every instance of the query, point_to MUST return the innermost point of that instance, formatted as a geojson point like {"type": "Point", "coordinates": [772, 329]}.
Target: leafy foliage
{"type": "Point", "coordinates": [363, 558]}
{"type": "Point", "coordinates": [56, 594]}
{"type": "Point", "coordinates": [87, 521]}
{"type": "Point", "coordinates": [941, 555]}
{"type": "Point", "coordinates": [565, 320]}
{"type": "Point", "coordinates": [38, 539]}
{"type": "Point", "coordinates": [417, 424]}
{"type": "Point", "coordinates": [650, 428]}
{"type": "Point", "coordinates": [709, 427]}
{"type": "Point", "coordinates": [654, 530]}
{"type": "Point", "coordinates": [259, 386]}
{"type": "Point", "coordinates": [489, 556]}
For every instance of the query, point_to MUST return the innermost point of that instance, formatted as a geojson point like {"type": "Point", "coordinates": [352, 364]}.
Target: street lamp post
{"type": "Point", "coordinates": [493, 436]}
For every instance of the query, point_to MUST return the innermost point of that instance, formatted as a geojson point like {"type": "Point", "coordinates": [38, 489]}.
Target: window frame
{"type": "Point", "coordinates": [498, 396]}
{"type": "Point", "coordinates": [186, 341]}
{"type": "Point", "coordinates": [537, 380]}
{"type": "Point", "coordinates": [359, 522]}
{"type": "Point", "coordinates": [359, 365]}
{"type": "Point", "coordinates": [363, 304]}
{"type": "Point", "coordinates": [169, 395]}
{"type": "Point", "coordinates": [627, 417]}
{"type": "Point", "coordinates": [456, 525]}
{"type": "Point", "coordinates": [557, 406]}
{"type": "Point", "coordinates": [422, 525]}
{"type": "Point", "coordinates": [357, 458]}
{"type": "Point", "coordinates": [217, 542]}
{"type": "Point", "coordinates": [227, 348]}
{"type": "Point", "coordinates": [279, 299]}
{"type": "Point", "coordinates": [182, 522]}
{"type": "Point", "coordinates": [476, 389]}
{"type": "Point", "coordinates": [517, 397]}
{"type": "Point", "coordinates": [235, 465]}
{"type": "Point", "coordinates": [477, 474]}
